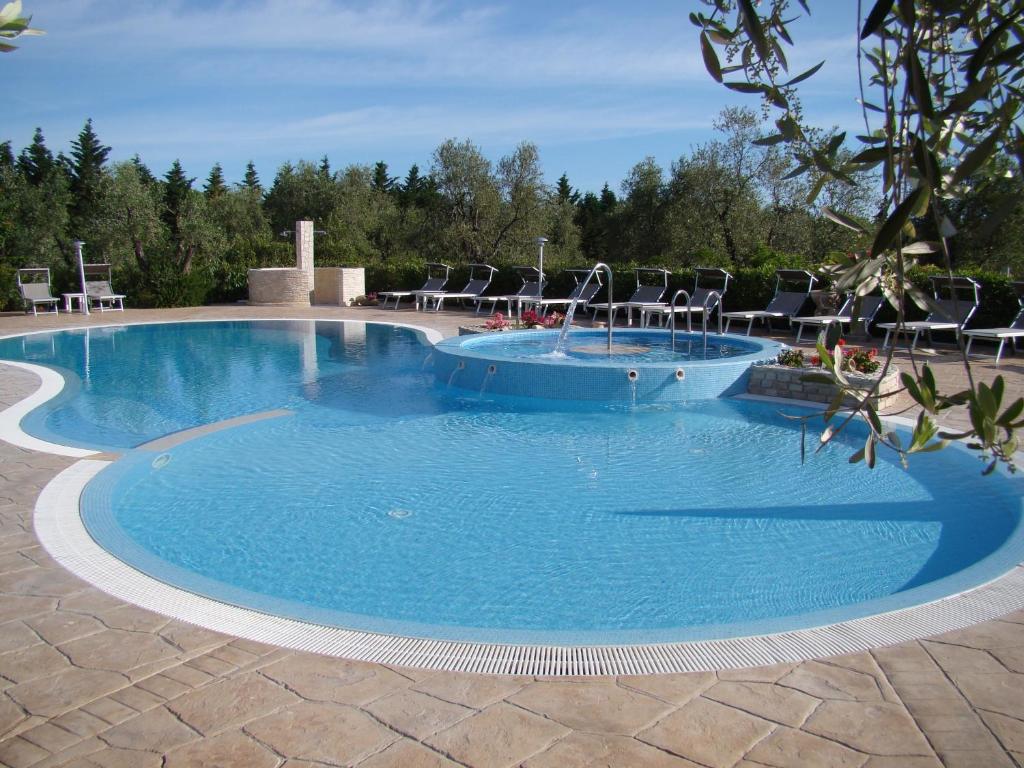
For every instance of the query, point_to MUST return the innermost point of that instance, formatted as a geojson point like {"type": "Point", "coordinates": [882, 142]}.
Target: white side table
{"type": "Point", "coordinates": [71, 298]}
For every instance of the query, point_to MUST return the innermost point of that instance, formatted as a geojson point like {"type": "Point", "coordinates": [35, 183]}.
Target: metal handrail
{"type": "Point", "coordinates": [672, 315]}
{"type": "Point", "coordinates": [704, 317]}
{"type": "Point", "coordinates": [572, 307]}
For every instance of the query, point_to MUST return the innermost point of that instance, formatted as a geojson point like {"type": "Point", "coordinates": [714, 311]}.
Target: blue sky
{"type": "Point", "coordinates": [597, 85]}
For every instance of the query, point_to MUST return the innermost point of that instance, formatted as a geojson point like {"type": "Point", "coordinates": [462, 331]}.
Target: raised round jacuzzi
{"type": "Point", "coordinates": [328, 476]}
{"type": "Point", "coordinates": [642, 366]}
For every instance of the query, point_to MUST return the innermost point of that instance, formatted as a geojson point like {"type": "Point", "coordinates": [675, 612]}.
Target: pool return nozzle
{"type": "Point", "coordinates": [680, 374]}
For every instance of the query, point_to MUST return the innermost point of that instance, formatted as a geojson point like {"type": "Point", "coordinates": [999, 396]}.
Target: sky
{"type": "Point", "coordinates": [597, 86]}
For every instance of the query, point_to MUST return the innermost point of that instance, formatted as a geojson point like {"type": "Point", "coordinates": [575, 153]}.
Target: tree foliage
{"type": "Point", "coordinates": [941, 92]}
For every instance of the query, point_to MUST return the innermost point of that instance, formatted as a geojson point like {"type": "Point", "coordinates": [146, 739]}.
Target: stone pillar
{"type": "Point", "coordinates": [304, 250]}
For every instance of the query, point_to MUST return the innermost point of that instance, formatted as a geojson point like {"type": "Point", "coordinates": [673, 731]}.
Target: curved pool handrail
{"type": "Point", "coordinates": [672, 315]}
{"type": "Point", "coordinates": [704, 316]}
{"type": "Point", "coordinates": [572, 307]}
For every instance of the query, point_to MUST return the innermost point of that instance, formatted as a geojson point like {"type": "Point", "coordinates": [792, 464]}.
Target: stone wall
{"type": "Point", "coordinates": [338, 286]}
{"type": "Point", "coordinates": [783, 381]}
{"type": "Point", "coordinates": [284, 285]}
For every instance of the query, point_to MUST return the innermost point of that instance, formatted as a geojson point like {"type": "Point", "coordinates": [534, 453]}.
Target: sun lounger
{"type": "Point", "coordinates": [580, 294]}
{"type": "Point", "coordinates": [707, 280]}
{"type": "Point", "coordinates": [533, 286]}
{"type": "Point", "coordinates": [869, 307]}
{"type": "Point", "coordinates": [957, 300]}
{"type": "Point", "coordinates": [480, 276]}
{"type": "Point", "coordinates": [645, 295]}
{"type": "Point", "coordinates": [785, 304]}
{"type": "Point", "coordinates": [98, 291]}
{"type": "Point", "coordinates": [435, 282]}
{"type": "Point", "coordinates": [34, 287]}
{"type": "Point", "coordinates": [1014, 331]}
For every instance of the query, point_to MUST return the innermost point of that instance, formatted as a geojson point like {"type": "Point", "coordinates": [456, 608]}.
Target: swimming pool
{"type": "Point", "coordinates": [385, 501]}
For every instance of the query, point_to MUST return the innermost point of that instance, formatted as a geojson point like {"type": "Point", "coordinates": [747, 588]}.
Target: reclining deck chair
{"type": "Point", "coordinates": [951, 314]}
{"type": "Point", "coordinates": [580, 294]}
{"type": "Point", "coordinates": [645, 295]}
{"type": "Point", "coordinates": [1013, 331]}
{"type": "Point", "coordinates": [784, 304]}
{"type": "Point", "coordinates": [533, 286]}
{"type": "Point", "coordinates": [706, 281]}
{"type": "Point", "coordinates": [98, 292]}
{"type": "Point", "coordinates": [480, 276]}
{"type": "Point", "coordinates": [869, 306]}
{"type": "Point", "coordinates": [435, 282]}
{"type": "Point", "coordinates": [34, 291]}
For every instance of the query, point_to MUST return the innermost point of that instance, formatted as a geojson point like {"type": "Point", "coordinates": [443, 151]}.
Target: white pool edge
{"type": "Point", "coordinates": [62, 533]}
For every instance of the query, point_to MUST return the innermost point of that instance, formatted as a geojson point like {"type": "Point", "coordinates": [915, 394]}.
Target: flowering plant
{"type": "Point", "coordinates": [853, 359]}
{"type": "Point", "coordinates": [496, 322]}
{"type": "Point", "coordinates": [791, 358]}
{"type": "Point", "coordinates": [530, 318]}
{"type": "Point", "coordinates": [553, 320]}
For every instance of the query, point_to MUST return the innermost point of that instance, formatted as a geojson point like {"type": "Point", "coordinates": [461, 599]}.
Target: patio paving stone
{"type": "Point", "coordinates": [229, 748]}
{"type": "Point", "coordinates": [708, 733]}
{"type": "Point", "coordinates": [32, 662]}
{"type": "Point", "coordinates": [322, 731]}
{"type": "Point", "coordinates": [70, 689]}
{"type": "Point", "coordinates": [592, 706]}
{"type": "Point", "coordinates": [154, 731]}
{"type": "Point", "coordinates": [63, 626]}
{"type": "Point", "coordinates": [416, 714]}
{"type": "Point", "coordinates": [407, 754]}
{"type": "Point", "coordinates": [501, 735]}
{"type": "Point", "coordinates": [772, 702]}
{"type": "Point", "coordinates": [116, 650]}
{"type": "Point", "coordinates": [476, 691]}
{"type": "Point", "coordinates": [788, 747]}
{"type": "Point", "coordinates": [605, 751]}
{"type": "Point", "coordinates": [337, 680]}
{"type": "Point", "coordinates": [230, 702]}
{"type": "Point", "coordinates": [876, 729]}
{"type": "Point", "coordinates": [828, 682]}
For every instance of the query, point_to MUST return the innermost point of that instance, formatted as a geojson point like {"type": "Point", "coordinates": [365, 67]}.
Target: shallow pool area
{"type": "Point", "coordinates": [386, 499]}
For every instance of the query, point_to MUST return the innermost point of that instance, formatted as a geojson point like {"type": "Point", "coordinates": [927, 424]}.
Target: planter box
{"type": "Point", "coordinates": [783, 381]}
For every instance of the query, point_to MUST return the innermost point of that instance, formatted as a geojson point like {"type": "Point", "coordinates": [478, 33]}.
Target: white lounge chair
{"type": "Point", "coordinates": [784, 304]}
{"type": "Point", "coordinates": [435, 282]}
{"type": "Point", "coordinates": [645, 295]}
{"type": "Point", "coordinates": [706, 280]}
{"type": "Point", "coordinates": [533, 286]}
{"type": "Point", "coordinates": [869, 307]}
{"type": "Point", "coordinates": [580, 294]}
{"type": "Point", "coordinates": [35, 292]}
{"type": "Point", "coordinates": [480, 276]}
{"type": "Point", "coordinates": [98, 292]}
{"type": "Point", "coordinates": [957, 300]}
{"type": "Point", "coordinates": [1014, 331]}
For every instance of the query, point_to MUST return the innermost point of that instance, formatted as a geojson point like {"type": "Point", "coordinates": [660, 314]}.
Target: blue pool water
{"type": "Point", "coordinates": [390, 502]}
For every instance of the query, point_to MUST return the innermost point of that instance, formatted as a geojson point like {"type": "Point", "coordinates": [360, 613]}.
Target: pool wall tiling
{"type": "Point", "coordinates": [477, 364]}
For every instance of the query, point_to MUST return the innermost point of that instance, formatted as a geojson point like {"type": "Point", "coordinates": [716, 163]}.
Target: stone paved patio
{"type": "Point", "coordinates": [89, 681]}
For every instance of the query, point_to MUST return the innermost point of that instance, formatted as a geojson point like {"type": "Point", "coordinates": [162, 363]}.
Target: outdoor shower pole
{"type": "Point", "coordinates": [81, 276]}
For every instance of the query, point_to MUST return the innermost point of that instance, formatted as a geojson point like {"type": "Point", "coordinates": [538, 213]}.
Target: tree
{"type": "Point", "coordinates": [470, 198]}
{"type": "Point", "coordinates": [145, 175]}
{"type": "Point", "coordinates": [944, 79]}
{"type": "Point", "coordinates": [131, 214]}
{"type": "Point", "coordinates": [86, 174]}
{"type": "Point", "coordinates": [13, 25]}
{"type": "Point", "coordinates": [642, 234]}
{"type": "Point", "coordinates": [381, 181]}
{"type": "Point", "coordinates": [176, 190]}
{"type": "Point", "coordinates": [564, 191]}
{"type": "Point", "coordinates": [525, 197]}
{"type": "Point", "coordinates": [251, 180]}
{"type": "Point", "coordinates": [36, 161]}
{"type": "Point", "coordinates": [595, 218]}
{"type": "Point", "coordinates": [215, 186]}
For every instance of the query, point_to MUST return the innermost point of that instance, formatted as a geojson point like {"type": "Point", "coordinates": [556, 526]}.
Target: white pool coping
{"type": "Point", "coordinates": [59, 527]}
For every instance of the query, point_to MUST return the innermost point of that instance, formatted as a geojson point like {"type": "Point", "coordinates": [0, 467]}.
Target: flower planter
{"type": "Point", "coordinates": [788, 382]}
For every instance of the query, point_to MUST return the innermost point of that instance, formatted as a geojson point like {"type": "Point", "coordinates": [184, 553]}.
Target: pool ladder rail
{"type": "Point", "coordinates": [689, 317]}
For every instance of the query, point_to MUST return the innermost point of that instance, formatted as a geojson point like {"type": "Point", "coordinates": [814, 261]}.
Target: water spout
{"type": "Point", "coordinates": [455, 371]}
{"type": "Point", "coordinates": [572, 307]}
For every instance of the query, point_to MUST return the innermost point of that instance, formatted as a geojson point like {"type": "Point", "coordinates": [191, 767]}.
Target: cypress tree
{"type": "Point", "coordinates": [86, 172]}
{"type": "Point", "coordinates": [145, 175]}
{"type": "Point", "coordinates": [215, 186]}
{"type": "Point", "coordinates": [381, 181]}
{"type": "Point", "coordinates": [251, 180]}
{"type": "Point", "coordinates": [176, 188]}
{"type": "Point", "coordinates": [6, 156]}
{"type": "Point", "coordinates": [565, 192]}
{"type": "Point", "coordinates": [36, 161]}
{"type": "Point", "coordinates": [325, 168]}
